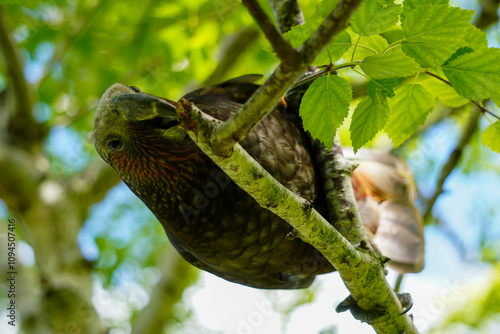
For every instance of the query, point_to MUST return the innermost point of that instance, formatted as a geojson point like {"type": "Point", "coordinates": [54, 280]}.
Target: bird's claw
{"type": "Point", "coordinates": [406, 301]}
{"type": "Point", "coordinates": [293, 234]}
{"type": "Point", "coordinates": [372, 315]}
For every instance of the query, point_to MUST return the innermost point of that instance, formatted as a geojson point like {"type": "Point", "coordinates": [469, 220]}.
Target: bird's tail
{"type": "Point", "coordinates": [385, 191]}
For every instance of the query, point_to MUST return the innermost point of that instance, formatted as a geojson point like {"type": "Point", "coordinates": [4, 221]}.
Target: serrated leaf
{"type": "Point", "coordinates": [391, 64]}
{"type": "Point", "coordinates": [495, 97]}
{"type": "Point", "coordinates": [337, 47]}
{"type": "Point", "coordinates": [409, 109]}
{"type": "Point", "coordinates": [460, 52]}
{"type": "Point", "coordinates": [298, 34]}
{"type": "Point", "coordinates": [491, 137]}
{"type": "Point", "coordinates": [368, 119]}
{"type": "Point", "coordinates": [475, 38]}
{"type": "Point", "coordinates": [324, 107]}
{"type": "Point", "coordinates": [444, 92]}
{"type": "Point", "coordinates": [383, 87]}
{"type": "Point", "coordinates": [374, 17]}
{"type": "Point", "coordinates": [434, 32]}
{"type": "Point", "coordinates": [409, 5]}
{"type": "Point", "coordinates": [475, 75]}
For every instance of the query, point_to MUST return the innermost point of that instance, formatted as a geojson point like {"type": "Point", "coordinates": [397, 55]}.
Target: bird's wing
{"type": "Point", "coordinates": [393, 223]}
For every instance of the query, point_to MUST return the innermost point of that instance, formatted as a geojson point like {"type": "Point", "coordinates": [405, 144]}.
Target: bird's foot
{"type": "Point", "coordinates": [293, 234]}
{"type": "Point", "coordinates": [372, 315]}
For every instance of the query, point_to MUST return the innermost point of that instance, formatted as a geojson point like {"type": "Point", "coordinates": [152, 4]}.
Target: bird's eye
{"type": "Point", "coordinates": [115, 145]}
{"type": "Point", "coordinates": [135, 89]}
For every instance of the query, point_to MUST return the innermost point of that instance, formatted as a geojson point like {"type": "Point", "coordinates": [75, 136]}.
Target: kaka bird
{"type": "Point", "coordinates": [213, 223]}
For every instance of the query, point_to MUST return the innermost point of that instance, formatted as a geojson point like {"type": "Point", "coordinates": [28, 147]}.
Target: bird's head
{"type": "Point", "coordinates": [135, 130]}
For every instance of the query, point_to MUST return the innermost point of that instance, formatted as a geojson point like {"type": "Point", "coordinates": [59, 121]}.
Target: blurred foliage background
{"type": "Point", "coordinates": [91, 258]}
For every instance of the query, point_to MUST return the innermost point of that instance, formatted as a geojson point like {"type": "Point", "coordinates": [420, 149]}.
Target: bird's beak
{"type": "Point", "coordinates": [141, 107]}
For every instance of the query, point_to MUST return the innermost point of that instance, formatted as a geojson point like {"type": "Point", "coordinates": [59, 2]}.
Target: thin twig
{"type": "Point", "coordinates": [453, 160]}
{"type": "Point", "coordinates": [483, 109]}
{"type": "Point", "coordinates": [282, 47]}
{"type": "Point", "coordinates": [398, 283]}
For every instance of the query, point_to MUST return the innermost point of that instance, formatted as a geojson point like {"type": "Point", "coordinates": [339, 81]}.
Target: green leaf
{"type": "Point", "coordinates": [475, 38]}
{"type": "Point", "coordinates": [367, 46]}
{"type": "Point", "coordinates": [409, 5]}
{"type": "Point", "coordinates": [444, 92]}
{"type": "Point", "coordinates": [460, 52]}
{"type": "Point", "coordinates": [383, 87]}
{"type": "Point", "coordinates": [389, 65]}
{"type": "Point", "coordinates": [433, 33]}
{"type": "Point", "coordinates": [324, 8]}
{"type": "Point", "coordinates": [409, 109]}
{"type": "Point", "coordinates": [374, 17]}
{"type": "Point", "coordinates": [298, 34]}
{"type": "Point", "coordinates": [368, 119]}
{"type": "Point", "coordinates": [491, 137]}
{"type": "Point", "coordinates": [337, 47]}
{"type": "Point", "coordinates": [324, 107]}
{"type": "Point", "coordinates": [475, 75]}
{"type": "Point", "coordinates": [394, 35]}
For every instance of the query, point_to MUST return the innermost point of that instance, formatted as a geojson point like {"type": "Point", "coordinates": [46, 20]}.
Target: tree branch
{"type": "Point", "coordinates": [476, 103]}
{"type": "Point", "coordinates": [453, 160]}
{"type": "Point", "coordinates": [283, 48]}
{"type": "Point", "coordinates": [335, 171]}
{"type": "Point", "coordinates": [287, 13]}
{"type": "Point", "coordinates": [22, 129]}
{"type": "Point", "coordinates": [234, 130]}
{"type": "Point", "coordinates": [361, 270]}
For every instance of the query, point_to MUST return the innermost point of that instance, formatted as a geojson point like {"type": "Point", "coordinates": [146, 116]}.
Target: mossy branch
{"type": "Point", "coordinates": [359, 266]}
{"type": "Point", "coordinates": [361, 269]}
